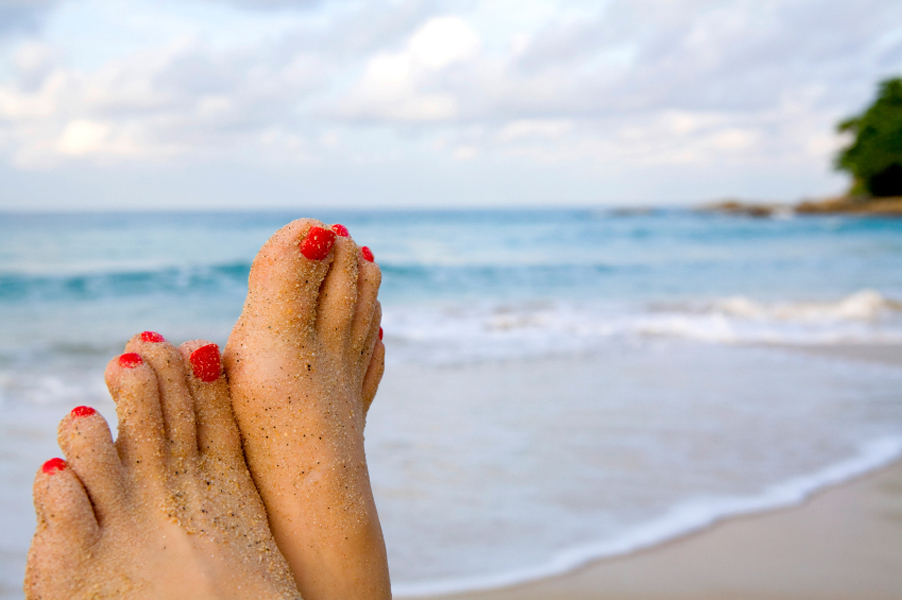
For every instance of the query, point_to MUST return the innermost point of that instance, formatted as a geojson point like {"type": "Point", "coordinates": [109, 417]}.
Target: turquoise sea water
{"type": "Point", "coordinates": [680, 402]}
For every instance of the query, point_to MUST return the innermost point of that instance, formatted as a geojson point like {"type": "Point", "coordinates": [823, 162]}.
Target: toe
{"type": "Point", "coordinates": [373, 335]}
{"type": "Point", "coordinates": [62, 506]}
{"type": "Point", "coordinates": [66, 531]}
{"type": "Point", "coordinates": [85, 439]}
{"type": "Point", "coordinates": [286, 276]}
{"type": "Point", "coordinates": [175, 400]}
{"type": "Point", "coordinates": [338, 295]}
{"type": "Point", "coordinates": [376, 364]}
{"type": "Point", "coordinates": [368, 281]}
{"type": "Point", "coordinates": [140, 442]}
{"type": "Point", "coordinates": [217, 432]}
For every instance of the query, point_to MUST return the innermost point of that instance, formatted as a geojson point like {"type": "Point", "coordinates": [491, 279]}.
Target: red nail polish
{"type": "Point", "coordinates": [205, 363]}
{"type": "Point", "coordinates": [130, 360]}
{"type": "Point", "coordinates": [82, 411]}
{"type": "Point", "coordinates": [380, 333]}
{"type": "Point", "coordinates": [152, 336]}
{"type": "Point", "coordinates": [53, 465]}
{"type": "Point", "coordinates": [367, 253]}
{"type": "Point", "coordinates": [317, 244]}
{"type": "Point", "coordinates": [340, 230]}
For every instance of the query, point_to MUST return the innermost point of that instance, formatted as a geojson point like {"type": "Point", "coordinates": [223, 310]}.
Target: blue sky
{"type": "Point", "coordinates": [405, 103]}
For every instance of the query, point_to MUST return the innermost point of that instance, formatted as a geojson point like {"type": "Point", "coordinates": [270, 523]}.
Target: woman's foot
{"type": "Point", "coordinates": [304, 362]}
{"type": "Point", "coordinates": [167, 511]}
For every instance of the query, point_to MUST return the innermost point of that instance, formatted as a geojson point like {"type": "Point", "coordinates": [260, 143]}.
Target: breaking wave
{"type": "Point", "coordinates": [464, 333]}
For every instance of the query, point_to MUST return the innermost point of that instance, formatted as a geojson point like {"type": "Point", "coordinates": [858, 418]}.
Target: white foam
{"type": "Point", "coordinates": [481, 331]}
{"type": "Point", "coordinates": [865, 305]}
{"type": "Point", "coordinates": [681, 520]}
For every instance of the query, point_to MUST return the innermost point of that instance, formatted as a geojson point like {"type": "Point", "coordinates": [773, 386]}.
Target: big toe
{"type": "Point", "coordinates": [285, 280]}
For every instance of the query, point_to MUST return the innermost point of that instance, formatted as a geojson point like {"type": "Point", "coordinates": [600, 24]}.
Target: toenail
{"type": "Point", "coordinates": [130, 360]}
{"type": "Point", "coordinates": [380, 333]}
{"type": "Point", "coordinates": [317, 244]}
{"type": "Point", "coordinates": [82, 411]}
{"type": "Point", "coordinates": [367, 253]}
{"type": "Point", "coordinates": [53, 465]}
{"type": "Point", "coordinates": [340, 230]}
{"type": "Point", "coordinates": [205, 363]}
{"type": "Point", "coordinates": [152, 336]}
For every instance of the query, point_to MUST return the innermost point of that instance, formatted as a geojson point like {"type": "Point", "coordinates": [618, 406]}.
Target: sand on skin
{"type": "Point", "coordinates": [843, 543]}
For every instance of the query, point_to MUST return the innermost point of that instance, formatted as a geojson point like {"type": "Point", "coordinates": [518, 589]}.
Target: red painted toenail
{"type": "Point", "coordinates": [205, 363]}
{"type": "Point", "coordinates": [380, 333]}
{"type": "Point", "coordinates": [82, 411]}
{"type": "Point", "coordinates": [152, 336]}
{"type": "Point", "coordinates": [340, 230]}
{"type": "Point", "coordinates": [130, 360]}
{"type": "Point", "coordinates": [367, 253]}
{"type": "Point", "coordinates": [53, 465]}
{"type": "Point", "coordinates": [317, 244]}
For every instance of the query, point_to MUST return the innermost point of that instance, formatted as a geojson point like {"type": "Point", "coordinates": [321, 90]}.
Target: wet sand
{"type": "Point", "coordinates": [843, 543]}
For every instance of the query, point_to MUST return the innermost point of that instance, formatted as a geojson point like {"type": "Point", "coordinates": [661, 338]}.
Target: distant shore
{"type": "Point", "coordinates": [844, 542]}
{"type": "Point", "coordinates": [861, 205]}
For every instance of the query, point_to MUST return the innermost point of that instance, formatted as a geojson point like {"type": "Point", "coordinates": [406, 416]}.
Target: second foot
{"type": "Point", "coordinates": [304, 362]}
{"type": "Point", "coordinates": [167, 511]}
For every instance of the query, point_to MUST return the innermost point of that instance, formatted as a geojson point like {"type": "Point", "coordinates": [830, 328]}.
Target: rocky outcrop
{"type": "Point", "coordinates": [748, 209]}
{"type": "Point", "coordinates": [891, 206]}
{"type": "Point", "coordinates": [863, 205]}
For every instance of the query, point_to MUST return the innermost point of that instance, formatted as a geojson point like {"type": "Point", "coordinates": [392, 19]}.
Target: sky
{"type": "Point", "coordinates": [252, 104]}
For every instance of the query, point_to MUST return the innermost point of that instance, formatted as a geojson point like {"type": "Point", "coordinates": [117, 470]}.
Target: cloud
{"type": "Point", "coordinates": [647, 55]}
{"type": "Point", "coordinates": [188, 98]}
{"type": "Point", "coordinates": [153, 106]}
{"type": "Point", "coordinates": [775, 74]}
{"type": "Point", "coordinates": [542, 128]}
{"type": "Point", "coordinates": [395, 86]}
{"type": "Point", "coordinates": [609, 88]}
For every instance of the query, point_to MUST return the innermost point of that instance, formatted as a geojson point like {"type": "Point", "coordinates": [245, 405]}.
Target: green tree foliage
{"type": "Point", "coordinates": [875, 157]}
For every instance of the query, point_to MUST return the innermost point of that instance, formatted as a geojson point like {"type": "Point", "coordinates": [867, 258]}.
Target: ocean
{"type": "Point", "coordinates": [561, 385]}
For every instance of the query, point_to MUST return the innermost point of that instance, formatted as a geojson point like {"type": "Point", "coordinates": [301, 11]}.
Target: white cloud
{"type": "Point", "coordinates": [33, 57]}
{"type": "Point", "coordinates": [443, 41]}
{"type": "Point", "coordinates": [395, 86]}
{"type": "Point", "coordinates": [463, 153]}
{"type": "Point", "coordinates": [81, 137]}
{"type": "Point", "coordinates": [618, 88]}
{"type": "Point", "coordinates": [330, 139]}
{"type": "Point", "coordinates": [734, 139]}
{"type": "Point", "coordinates": [181, 100]}
{"type": "Point", "coordinates": [524, 128]}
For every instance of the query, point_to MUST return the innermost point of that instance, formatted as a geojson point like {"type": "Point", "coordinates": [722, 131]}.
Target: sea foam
{"type": "Point", "coordinates": [496, 331]}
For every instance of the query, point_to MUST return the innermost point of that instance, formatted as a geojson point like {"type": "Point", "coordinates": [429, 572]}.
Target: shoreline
{"type": "Point", "coordinates": [843, 540]}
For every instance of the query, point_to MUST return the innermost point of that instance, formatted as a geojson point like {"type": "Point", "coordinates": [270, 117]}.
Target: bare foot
{"type": "Point", "coordinates": [304, 362]}
{"type": "Point", "coordinates": [167, 511]}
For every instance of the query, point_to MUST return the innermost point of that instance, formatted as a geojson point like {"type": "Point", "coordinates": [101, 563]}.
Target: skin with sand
{"type": "Point", "coordinates": [170, 510]}
{"type": "Point", "coordinates": [304, 362]}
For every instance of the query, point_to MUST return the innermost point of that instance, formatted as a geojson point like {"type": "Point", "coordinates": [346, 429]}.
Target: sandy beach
{"type": "Point", "coordinates": [844, 542]}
